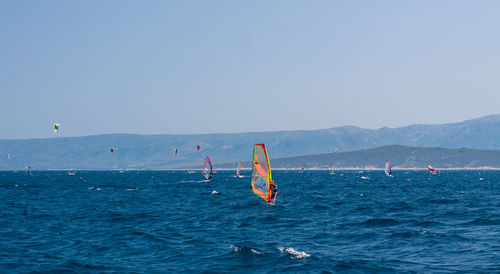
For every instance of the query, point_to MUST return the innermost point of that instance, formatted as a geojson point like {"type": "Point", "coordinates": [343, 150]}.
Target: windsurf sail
{"type": "Point", "coordinates": [175, 152]}
{"type": "Point", "coordinates": [332, 170]}
{"type": "Point", "coordinates": [238, 171]}
{"type": "Point", "coordinates": [56, 127]}
{"type": "Point", "coordinates": [198, 148]}
{"type": "Point", "coordinates": [261, 173]}
{"type": "Point", "coordinates": [112, 150]}
{"type": "Point", "coordinates": [388, 170]}
{"type": "Point", "coordinates": [433, 171]}
{"type": "Point", "coordinates": [207, 168]}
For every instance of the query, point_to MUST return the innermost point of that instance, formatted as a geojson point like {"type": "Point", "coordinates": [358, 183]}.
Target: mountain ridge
{"type": "Point", "coordinates": [401, 157]}
{"type": "Point", "coordinates": [156, 151]}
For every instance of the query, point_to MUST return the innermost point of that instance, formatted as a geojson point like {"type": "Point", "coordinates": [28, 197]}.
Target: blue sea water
{"type": "Point", "coordinates": [166, 221]}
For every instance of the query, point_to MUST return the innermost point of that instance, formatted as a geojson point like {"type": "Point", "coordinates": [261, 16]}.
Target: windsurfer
{"type": "Point", "coordinates": [210, 176]}
{"type": "Point", "coordinates": [274, 191]}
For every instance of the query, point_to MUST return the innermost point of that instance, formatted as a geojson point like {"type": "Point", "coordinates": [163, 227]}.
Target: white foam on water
{"type": "Point", "coordinates": [365, 178]}
{"type": "Point", "coordinates": [294, 253]}
{"type": "Point", "coordinates": [235, 248]}
{"type": "Point", "coordinates": [255, 251]}
{"type": "Point", "coordinates": [97, 189]}
{"type": "Point", "coordinates": [192, 181]}
{"type": "Point", "coordinates": [215, 192]}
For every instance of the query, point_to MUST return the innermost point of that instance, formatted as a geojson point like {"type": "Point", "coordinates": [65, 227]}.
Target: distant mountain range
{"type": "Point", "coordinates": [156, 151]}
{"type": "Point", "coordinates": [399, 156]}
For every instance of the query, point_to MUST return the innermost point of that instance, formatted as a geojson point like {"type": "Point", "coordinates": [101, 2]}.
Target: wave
{"type": "Point", "coordinates": [293, 254]}
{"type": "Point", "coordinates": [245, 250]}
{"type": "Point", "coordinates": [438, 201]}
{"type": "Point", "coordinates": [362, 266]}
{"type": "Point", "coordinates": [148, 236]}
{"type": "Point", "coordinates": [429, 223]}
{"type": "Point", "coordinates": [483, 221]}
{"type": "Point", "coordinates": [404, 235]}
{"type": "Point", "coordinates": [380, 222]}
{"type": "Point", "coordinates": [321, 207]}
{"type": "Point", "coordinates": [73, 265]}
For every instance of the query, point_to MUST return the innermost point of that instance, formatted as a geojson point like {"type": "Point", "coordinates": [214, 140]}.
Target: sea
{"type": "Point", "coordinates": [176, 221]}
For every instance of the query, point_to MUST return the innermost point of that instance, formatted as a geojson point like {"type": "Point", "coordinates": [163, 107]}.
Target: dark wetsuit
{"type": "Point", "coordinates": [210, 176]}
{"type": "Point", "coordinates": [274, 191]}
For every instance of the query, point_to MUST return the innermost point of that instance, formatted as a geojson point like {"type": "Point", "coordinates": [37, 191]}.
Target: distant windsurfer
{"type": "Point", "coordinates": [274, 191]}
{"type": "Point", "coordinates": [433, 171]}
{"type": "Point", "coordinates": [206, 167]}
{"type": "Point", "coordinates": [198, 148]}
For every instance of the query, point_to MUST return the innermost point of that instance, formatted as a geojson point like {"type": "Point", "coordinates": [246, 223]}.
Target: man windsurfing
{"type": "Point", "coordinates": [274, 191]}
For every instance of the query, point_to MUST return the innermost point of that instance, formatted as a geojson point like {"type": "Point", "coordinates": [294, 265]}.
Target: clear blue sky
{"type": "Point", "coordinates": [155, 67]}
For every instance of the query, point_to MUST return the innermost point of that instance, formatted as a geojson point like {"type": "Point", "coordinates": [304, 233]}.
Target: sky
{"type": "Point", "coordinates": [189, 67]}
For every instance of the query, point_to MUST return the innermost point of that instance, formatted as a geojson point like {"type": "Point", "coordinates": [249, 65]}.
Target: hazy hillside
{"type": "Point", "coordinates": [156, 151]}
{"type": "Point", "coordinates": [399, 156]}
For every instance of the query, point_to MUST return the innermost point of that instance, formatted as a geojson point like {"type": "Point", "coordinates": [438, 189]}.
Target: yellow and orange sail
{"type": "Point", "coordinates": [261, 173]}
